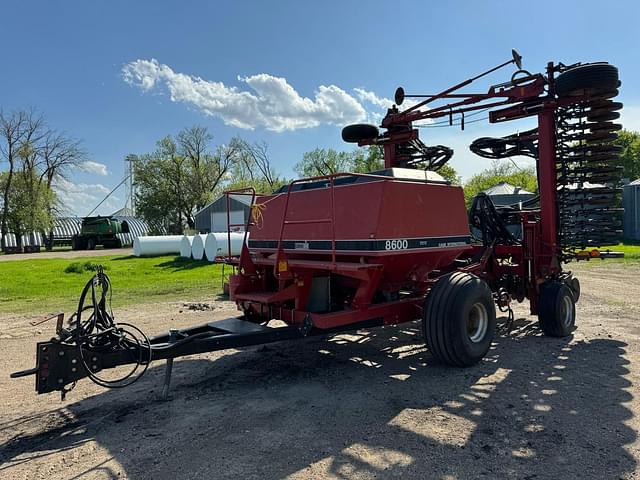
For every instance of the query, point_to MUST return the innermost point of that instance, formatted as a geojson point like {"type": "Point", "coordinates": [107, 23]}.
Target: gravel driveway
{"type": "Point", "coordinates": [372, 404]}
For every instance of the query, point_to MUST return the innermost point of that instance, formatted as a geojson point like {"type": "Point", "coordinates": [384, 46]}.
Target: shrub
{"type": "Point", "coordinates": [81, 267]}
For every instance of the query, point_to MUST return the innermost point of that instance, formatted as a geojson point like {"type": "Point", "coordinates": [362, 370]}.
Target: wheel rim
{"type": "Point", "coordinates": [566, 311]}
{"type": "Point", "coordinates": [477, 322]}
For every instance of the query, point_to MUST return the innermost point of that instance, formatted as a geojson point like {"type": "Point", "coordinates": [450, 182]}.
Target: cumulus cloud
{"type": "Point", "coordinates": [80, 198]}
{"type": "Point", "coordinates": [372, 98]}
{"type": "Point", "coordinates": [93, 167]}
{"type": "Point", "coordinates": [269, 102]}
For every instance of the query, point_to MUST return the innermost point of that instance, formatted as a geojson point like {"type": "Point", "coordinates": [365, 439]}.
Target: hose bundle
{"type": "Point", "coordinates": [93, 330]}
{"type": "Point", "coordinates": [492, 224]}
{"type": "Point", "coordinates": [525, 143]}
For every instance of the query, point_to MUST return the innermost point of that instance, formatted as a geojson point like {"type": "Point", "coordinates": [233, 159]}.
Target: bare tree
{"type": "Point", "coordinates": [258, 158]}
{"type": "Point", "coordinates": [208, 169]}
{"type": "Point", "coordinates": [193, 143]}
{"type": "Point", "coordinates": [60, 154]}
{"type": "Point", "coordinates": [20, 131]}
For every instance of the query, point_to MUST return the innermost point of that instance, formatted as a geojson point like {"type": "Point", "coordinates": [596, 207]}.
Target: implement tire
{"type": "Point", "coordinates": [589, 79]}
{"type": "Point", "coordinates": [459, 319]}
{"type": "Point", "coordinates": [358, 132]}
{"type": "Point", "coordinates": [556, 309]}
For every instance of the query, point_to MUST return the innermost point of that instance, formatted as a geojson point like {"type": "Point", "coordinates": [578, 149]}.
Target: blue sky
{"type": "Point", "coordinates": [286, 72]}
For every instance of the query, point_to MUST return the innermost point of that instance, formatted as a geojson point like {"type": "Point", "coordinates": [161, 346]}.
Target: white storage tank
{"type": "Point", "coordinates": [217, 245]}
{"type": "Point", "coordinates": [185, 246]}
{"type": "Point", "coordinates": [156, 245]}
{"type": "Point", "coordinates": [197, 246]}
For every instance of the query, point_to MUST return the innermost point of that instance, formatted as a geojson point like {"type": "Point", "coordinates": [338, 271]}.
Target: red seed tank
{"type": "Point", "coordinates": [406, 220]}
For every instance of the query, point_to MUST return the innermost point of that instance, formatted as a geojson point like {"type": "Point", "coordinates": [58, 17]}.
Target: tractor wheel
{"type": "Point", "coordinates": [459, 319]}
{"type": "Point", "coordinates": [91, 244]}
{"type": "Point", "coordinates": [574, 284]}
{"type": "Point", "coordinates": [587, 79]}
{"type": "Point", "coordinates": [78, 243]}
{"type": "Point", "coordinates": [359, 131]}
{"type": "Point", "coordinates": [556, 309]}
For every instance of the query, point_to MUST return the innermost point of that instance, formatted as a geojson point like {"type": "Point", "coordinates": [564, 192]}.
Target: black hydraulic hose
{"type": "Point", "coordinates": [100, 332]}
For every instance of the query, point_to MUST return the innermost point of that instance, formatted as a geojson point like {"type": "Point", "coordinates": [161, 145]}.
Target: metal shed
{"type": "Point", "coordinates": [631, 204]}
{"type": "Point", "coordinates": [506, 194]}
{"type": "Point", "coordinates": [213, 217]}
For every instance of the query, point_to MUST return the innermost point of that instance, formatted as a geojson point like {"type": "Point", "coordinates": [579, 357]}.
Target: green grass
{"type": "Point", "coordinates": [49, 285]}
{"type": "Point", "coordinates": [630, 248]}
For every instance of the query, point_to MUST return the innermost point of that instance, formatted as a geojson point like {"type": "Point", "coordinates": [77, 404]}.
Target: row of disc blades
{"type": "Point", "coordinates": [589, 173]}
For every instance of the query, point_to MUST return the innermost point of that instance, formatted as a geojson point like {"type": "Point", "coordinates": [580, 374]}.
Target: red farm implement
{"type": "Point", "coordinates": [349, 251]}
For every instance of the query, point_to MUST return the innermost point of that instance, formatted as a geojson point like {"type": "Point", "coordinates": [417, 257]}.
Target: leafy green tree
{"type": "Point", "coordinates": [500, 172]}
{"type": "Point", "coordinates": [320, 162]}
{"type": "Point", "coordinates": [169, 187]}
{"type": "Point", "coordinates": [450, 173]}
{"type": "Point", "coordinates": [185, 173]}
{"type": "Point", "coordinates": [630, 155]}
{"type": "Point", "coordinates": [28, 205]}
{"type": "Point", "coordinates": [369, 160]}
{"type": "Point", "coordinates": [325, 162]}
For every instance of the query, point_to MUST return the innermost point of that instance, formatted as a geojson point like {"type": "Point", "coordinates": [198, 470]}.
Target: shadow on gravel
{"type": "Point", "coordinates": [363, 405]}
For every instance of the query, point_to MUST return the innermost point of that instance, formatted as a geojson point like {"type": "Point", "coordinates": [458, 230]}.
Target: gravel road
{"type": "Point", "coordinates": [372, 404]}
{"type": "Point", "coordinates": [98, 252]}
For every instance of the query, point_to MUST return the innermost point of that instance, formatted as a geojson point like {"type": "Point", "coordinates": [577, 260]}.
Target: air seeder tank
{"type": "Point", "coordinates": [393, 225]}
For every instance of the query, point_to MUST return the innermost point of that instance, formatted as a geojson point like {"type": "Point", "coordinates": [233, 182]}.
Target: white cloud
{"type": "Point", "coordinates": [630, 117]}
{"type": "Point", "coordinates": [372, 98]}
{"type": "Point", "coordinates": [81, 198]}
{"type": "Point", "coordinates": [383, 103]}
{"type": "Point", "coordinates": [269, 102]}
{"type": "Point", "coordinates": [93, 167]}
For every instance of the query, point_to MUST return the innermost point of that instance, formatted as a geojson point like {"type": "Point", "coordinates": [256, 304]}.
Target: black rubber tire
{"type": "Point", "coordinates": [359, 131]}
{"type": "Point", "coordinates": [91, 244]}
{"type": "Point", "coordinates": [78, 243]}
{"type": "Point", "coordinates": [575, 288]}
{"type": "Point", "coordinates": [445, 320]}
{"type": "Point", "coordinates": [555, 298]}
{"type": "Point", "coordinates": [589, 78]}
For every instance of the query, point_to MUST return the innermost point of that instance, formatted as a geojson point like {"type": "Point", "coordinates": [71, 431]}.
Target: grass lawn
{"type": "Point", "coordinates": [630, 249]}
{"type": "Point", "coordinates": [52, 285]}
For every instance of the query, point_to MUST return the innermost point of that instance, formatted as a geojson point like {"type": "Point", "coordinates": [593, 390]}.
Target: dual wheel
{"type": "Point", "coordinates": [459, 318]}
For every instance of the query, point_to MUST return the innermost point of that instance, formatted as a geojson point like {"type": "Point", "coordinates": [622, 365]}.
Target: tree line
{"type": "Point", "coordinates": [187, 171]}
{"type": "Point", "coordinates": [35, 155]}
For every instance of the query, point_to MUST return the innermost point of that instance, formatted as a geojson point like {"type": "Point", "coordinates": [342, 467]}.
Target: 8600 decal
{"type": "Point", "coordinates": [396, 245]}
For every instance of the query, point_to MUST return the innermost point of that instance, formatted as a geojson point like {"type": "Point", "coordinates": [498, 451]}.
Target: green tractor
{"type": "Point", "coordinates": [99, 231]}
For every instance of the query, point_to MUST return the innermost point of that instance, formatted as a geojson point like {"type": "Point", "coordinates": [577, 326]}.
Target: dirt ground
{"type": "Point", "coordinates": [372, 404]}
{"type": "Point", "coordinates": [98, 252]}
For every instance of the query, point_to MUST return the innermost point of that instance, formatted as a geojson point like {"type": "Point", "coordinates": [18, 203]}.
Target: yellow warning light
{"type": "Point", "coordinates": [283, 266]}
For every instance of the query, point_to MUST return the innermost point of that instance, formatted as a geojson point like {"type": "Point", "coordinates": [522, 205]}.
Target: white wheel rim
{"type": "Point", "coordinates": [566, 311]}
{"type": "Point", "coordinates": [477, 322]}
